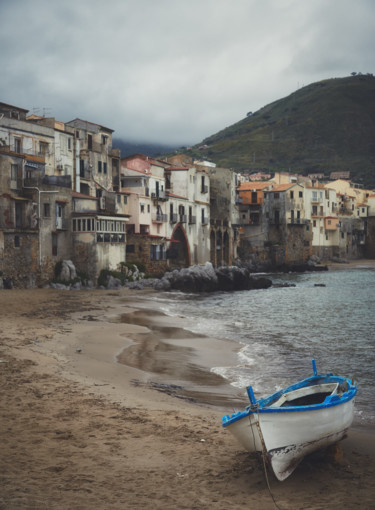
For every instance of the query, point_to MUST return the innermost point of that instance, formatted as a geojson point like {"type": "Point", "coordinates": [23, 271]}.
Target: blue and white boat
{"type": "Point", "coordinates": [288, 425]}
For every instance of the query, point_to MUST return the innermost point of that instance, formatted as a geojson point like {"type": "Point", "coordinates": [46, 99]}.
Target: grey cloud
{"type": "Point", "coordinates": [174, 72]}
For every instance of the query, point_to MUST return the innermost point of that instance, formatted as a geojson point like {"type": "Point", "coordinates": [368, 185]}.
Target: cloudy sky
{"type": "Point", "coordinates": [175, 71]}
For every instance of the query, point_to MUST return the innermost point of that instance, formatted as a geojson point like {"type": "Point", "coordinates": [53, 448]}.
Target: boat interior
{"type": "Point", "coordinates": [307, 396]}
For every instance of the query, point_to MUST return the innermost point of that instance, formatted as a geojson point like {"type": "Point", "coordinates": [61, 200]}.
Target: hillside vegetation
{"type": "Point", "coordinates": [324, 127]}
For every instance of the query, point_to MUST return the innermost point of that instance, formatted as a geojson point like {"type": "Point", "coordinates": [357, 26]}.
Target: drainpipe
{"type": "Point", "coordinates": [77, 176]}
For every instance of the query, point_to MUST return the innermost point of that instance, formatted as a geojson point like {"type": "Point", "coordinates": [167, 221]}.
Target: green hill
{"type": "Point", "coordinates": [324, 127]}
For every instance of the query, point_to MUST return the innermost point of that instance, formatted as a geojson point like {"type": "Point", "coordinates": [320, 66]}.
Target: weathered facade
{"type": "Point", "coordinates": [225, 216]}
{"type": "Point", "coordinates": [35, 204]}
{"type": "Point", "coordinates": [289, 234]}
{"type": "Point", "coordinates": [99, 239]}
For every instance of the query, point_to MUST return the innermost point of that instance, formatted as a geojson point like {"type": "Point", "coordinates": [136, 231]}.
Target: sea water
{"type": "Point", "coordinates": [326, 316]}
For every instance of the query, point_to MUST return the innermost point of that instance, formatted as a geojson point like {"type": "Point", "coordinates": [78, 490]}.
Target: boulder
{"type": "Point", "coordinates": [207, 279]}
{"type": "Point", "coordinates": [68, 271]}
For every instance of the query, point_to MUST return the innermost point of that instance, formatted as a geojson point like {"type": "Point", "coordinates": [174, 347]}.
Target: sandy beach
{"type": "Point", "coordinates": [106, 403]}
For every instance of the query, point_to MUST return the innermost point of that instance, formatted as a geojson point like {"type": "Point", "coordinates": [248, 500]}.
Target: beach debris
{"type": "Point", "coordinates": [78, 350]}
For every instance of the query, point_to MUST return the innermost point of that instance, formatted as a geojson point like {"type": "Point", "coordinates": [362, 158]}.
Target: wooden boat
{"type": "Point", "coordinates": [288, 425]}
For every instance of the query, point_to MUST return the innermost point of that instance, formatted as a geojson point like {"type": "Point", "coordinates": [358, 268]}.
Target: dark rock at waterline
{"type": "Point", "coordinates": [207, 279]}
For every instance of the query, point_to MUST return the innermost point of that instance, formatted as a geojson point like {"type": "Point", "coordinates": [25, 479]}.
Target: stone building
{"type": "Point", "coordinates": [99, 236]}
{"type": "Point", "coordinates": [254, 227]}
{"type": "Point", "coordinates": [289, 234]}
{"type": "Point", "coordinates": [35, 204]}
{"type": "Point", "coordinates": [225, 216]}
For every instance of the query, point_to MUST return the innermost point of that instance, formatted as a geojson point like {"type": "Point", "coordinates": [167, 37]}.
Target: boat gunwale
{"type": "Point", "coordinates": [261, 405]}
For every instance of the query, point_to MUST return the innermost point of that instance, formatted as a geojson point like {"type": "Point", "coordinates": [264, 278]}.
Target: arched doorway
{"type": "Point", "coordinates": [179, 252]}
{"type": "Point", "coordinates": [212, 247]}
{"type": "Point", "coordinates": [219, 248]}
{"type": "Point", "coordinates": [226, 248]}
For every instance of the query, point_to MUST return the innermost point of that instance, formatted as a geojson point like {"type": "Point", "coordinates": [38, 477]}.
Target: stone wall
{"type": "Point", "coordinates": [20, 259]}
{"type": "Point", "coordinates": [139, 250]}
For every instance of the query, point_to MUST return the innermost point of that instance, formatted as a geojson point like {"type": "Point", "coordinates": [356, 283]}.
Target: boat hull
{"type": "Point", "coordinates": [286, 429]}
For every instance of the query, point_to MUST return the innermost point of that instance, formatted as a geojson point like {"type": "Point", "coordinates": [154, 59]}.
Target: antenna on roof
{"type": "Point", "coordinates": [46, 111]}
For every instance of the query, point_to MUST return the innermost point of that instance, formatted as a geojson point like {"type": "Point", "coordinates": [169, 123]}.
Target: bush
{"type": "Point", "coordinates": [130, 265]}
{"type": "Point", "coordinates": [103, 277]}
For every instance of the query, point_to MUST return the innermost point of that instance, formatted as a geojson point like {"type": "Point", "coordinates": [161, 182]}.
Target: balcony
{"type": "Point", "coordinates": [159, 218]}
{"type": "Point", "coordinates": [159, 195]}
{"type": "Point", "coordinates": [173, 218]}
{"type": "Point", "coordinates": [204, 189]}
{"type": "Point", "coordinates": [37, 156]}
{"type": "Point", "coordinates": [62, 223]}
{"type": "Point", "coordinates": [192, 220]}
{"type": "Point", "coordinates": [297, 221]}
{"type": "Point", "coordinates": [182, 218]}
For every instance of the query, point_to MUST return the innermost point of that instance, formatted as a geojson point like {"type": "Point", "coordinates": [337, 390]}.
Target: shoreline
{"type": "Point", "coordinates": [81, 429]}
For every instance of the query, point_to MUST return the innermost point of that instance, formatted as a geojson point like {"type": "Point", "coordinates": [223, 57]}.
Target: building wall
{"type": "Point", "coordinates": [141, 250]}
{"type": "Point", "coordinates": [19, 260]}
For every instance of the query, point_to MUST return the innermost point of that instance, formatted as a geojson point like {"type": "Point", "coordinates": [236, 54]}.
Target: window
{"type": "Point", "coordinates": [13, 172]}
{"type": "Point", "coordinates": [43, 148]}
{"type": "Point", "coordinates": [100, 167]}
{"type": "Point", "coordinates": [89, 141]}
{"type": "Point", "coordinates": [104, 139]}
{"type": "Point", "coordinates": [314, 223]}
{"type": "Point", "coordinates": [142, 208]}
{"type": "Point", "coordinates": [17, 144]}
{"type": "Point", "coordinates": [203, 217]}
{"type": "Point", "coordinates": [104, 167]}
{"type": "Point", "coordinates": [130, 248]}
{"type": "Point", "coordinates": [13, 176]}
{"type": "Point", "coordinates": [157, 252]}
{"type": "Point", "coordinates": [69, 143]}
{"type": "Point", "coordinates": [300, 194]}
{"type": "Point", "coordinates": [81, 168]}
{"type": "Point", "coordinates": [125, 199]}
{"type": "Point", "coordinates": [148, 208]}
{"type": "Point", "coordinates": [276, 195]}
{"type": "Point", "coordinates": [59, 215]}
{"type": "Point", "coordinates": [47, 210]}
{"type": "Point", "coordinates": [54, 244]}
{"type": "Point", "coordinates": [118, 198]}
{"type": "Point", "coordinates": [292, 194]}
{"type": "Point", "coordinates": [16, 241]}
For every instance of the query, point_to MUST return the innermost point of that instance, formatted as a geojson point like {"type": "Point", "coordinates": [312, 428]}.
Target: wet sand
{"type": "Point", "coordinates": [107, 403]}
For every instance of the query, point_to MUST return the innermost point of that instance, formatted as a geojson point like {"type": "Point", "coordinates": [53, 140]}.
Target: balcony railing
{"type": "Point", "coordinates": [173, 218]}
{"type": "Point", "coordinates": [204, 189]}
{"type": "Point", "coordinates": [159, 195]}
{"type": "Point", "coordinates": [192, 220]}
{"type": "Point", "coordinates": [182, 218]}
{"type": "Point", "coordinates": [297, 221]}
{"type": "Point", "coordinates": [159, 218]}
